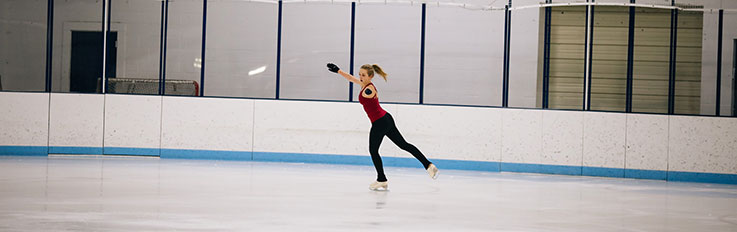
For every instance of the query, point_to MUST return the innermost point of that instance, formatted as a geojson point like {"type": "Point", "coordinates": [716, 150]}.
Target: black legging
{"type": "Point", "coordinates": [385, 126]}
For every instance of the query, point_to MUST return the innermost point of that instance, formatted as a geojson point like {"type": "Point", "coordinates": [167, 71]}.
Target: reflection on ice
{"type": "Point", "coordinates": [94, 193]}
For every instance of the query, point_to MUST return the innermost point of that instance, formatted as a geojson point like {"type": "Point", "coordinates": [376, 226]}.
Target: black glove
{"type": "Point", "coordinates": [333, 68]}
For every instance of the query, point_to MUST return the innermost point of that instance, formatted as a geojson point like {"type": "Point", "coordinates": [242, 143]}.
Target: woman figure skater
{"type": "Point", "coordinates": [382, 124]}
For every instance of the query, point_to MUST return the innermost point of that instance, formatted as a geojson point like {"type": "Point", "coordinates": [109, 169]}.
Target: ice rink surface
{"type": "Point", "coordinates": [95, 193]}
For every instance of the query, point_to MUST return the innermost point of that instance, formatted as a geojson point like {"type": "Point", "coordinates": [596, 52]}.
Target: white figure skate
{"type": "Point", "coordinates": [379, 186]}
{"type": "Point", "coordinates": [433, 171]}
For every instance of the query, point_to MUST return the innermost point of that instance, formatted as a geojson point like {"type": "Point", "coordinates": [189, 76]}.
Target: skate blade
{"type": "Point", "coordinates": [437, 173]}
{"type": "Point", "coordinates": [380, 189]}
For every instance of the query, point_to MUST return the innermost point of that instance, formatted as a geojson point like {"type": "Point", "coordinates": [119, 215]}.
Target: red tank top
{"type": "Point", "coordinates": [371, 105]}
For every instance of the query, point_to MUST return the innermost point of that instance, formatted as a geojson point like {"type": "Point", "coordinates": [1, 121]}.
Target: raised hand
{"type": "Point", "coordinates": [333, 68]}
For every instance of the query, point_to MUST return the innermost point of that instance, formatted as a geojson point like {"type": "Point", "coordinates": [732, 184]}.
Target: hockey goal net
{"type": "Point", "coordinates": [151, 86]}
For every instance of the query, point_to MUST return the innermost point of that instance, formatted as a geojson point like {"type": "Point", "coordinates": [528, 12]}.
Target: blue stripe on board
{"type": "Point", "coordinates": [205, 154]}
{"type": "Point", "coordinates": [131, 151]}
{"type": "Point", "coordinates": [311, 158]}
{"type": "Point", "coordinates": [603, 172]}
{"type": "Point", "coordinates": [541, 168]}
{"type": "Point", "coordinates": [488, 166]}
{"type": "Point", "coordinates": [366, 160]}
{"type": "Point", "coordinates": [399, 162]}
{"type": "Point", "coordinates": [516, 167]}
{"type": "Point", "coordinates": [702, 177]}
{"type": "Point", "coordinates": [645, 174]}
{"type": "Point", "coordinates": [75, 150]}
{"type": "Point", "coordinates": [24, 150]}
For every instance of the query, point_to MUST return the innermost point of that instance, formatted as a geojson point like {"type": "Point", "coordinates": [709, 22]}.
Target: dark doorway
{"type": "Point", "coordinates": [86, 60]}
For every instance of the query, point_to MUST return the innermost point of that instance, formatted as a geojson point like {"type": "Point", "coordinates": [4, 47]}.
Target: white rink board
{"type": "Point", "coordinates": [76, 120]}
{"type": "Point", "coordinates": [24, 119]}
{"type": "Point", "coordinates": [647, 142]}
{"type": "Point", "coordinates": [562, 138]}
{"type": "Point", "coordinates": [703, 144]}
{"type": "Point", "coordinates": [457, 133]}
{"type": "Point", "coordinates": [604, 139]}
{"type": "Point", "coordinates": [521, 136]}
{"type": "Point", "coordinates": [207, 124]}
{"type": "Point", "coordinates": [310, 127]}
{"type": "Point", "coordinates": [132, 121]}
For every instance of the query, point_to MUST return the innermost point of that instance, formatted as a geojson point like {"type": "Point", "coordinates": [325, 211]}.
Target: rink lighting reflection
{"type": "Point", "coordinates": [257, 71]}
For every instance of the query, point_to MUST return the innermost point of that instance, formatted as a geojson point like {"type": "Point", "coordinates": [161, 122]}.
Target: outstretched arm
{"type": "Point", "coordinates": [334, 68]}
{"type": "Point", "coordinates": [349, 77]}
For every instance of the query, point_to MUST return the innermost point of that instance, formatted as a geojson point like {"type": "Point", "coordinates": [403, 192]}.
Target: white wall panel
{"type": "Point", "coordinates": [525, 55]}
{"type": "Point", "coordinates": [709, 63]}
{"type": "Point", "coordinates": [464, 56]}
{"type": "Point", "coordinates": [457, 133]}
{"type": "Point", "coordinates": [24, 119]}
{"type": "Point", "coordinates": [390, 35]}
{"type": "Point", "coordinates": [647, 142]}
{"type": "Point", "coordinates": [310, 127]}
{"type": "Point", "coordinates": [313, 35]}
{"type": "Point", "coordinates": [241, 39]}
{"type": "Point", "coordinates": [69, 16]}
{"type": "Point", "coordinates": [207, 124]}
{"type": "Point", "coordinates": [184, 39]}
{"type": "Point", "coordinates": [23, 45]}
{"type": "Point", "coordinates": [604, 139]}
{"type": "Point", "coordinates": [703, 144]}
{"type": "Point", "coordinates": [76, 120]}
{"type": "Point", "coordinates": [132, 121]}
{"type": "Point", "coordinates": [522, 136]}
{"type": "Point", "coordinates": [139, 39]}
{"type": "Point", "coordinates": [562, 140]}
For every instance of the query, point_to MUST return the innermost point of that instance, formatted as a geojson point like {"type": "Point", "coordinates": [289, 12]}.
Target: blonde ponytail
{"type": "Point", "coordinates": [378, 70]}
{"type": "Point", "coordinates": [371, 68]}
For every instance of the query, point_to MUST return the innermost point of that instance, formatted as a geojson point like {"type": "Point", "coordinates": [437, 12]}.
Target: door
{"type": "Point", "coordinates": [86, 60]}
